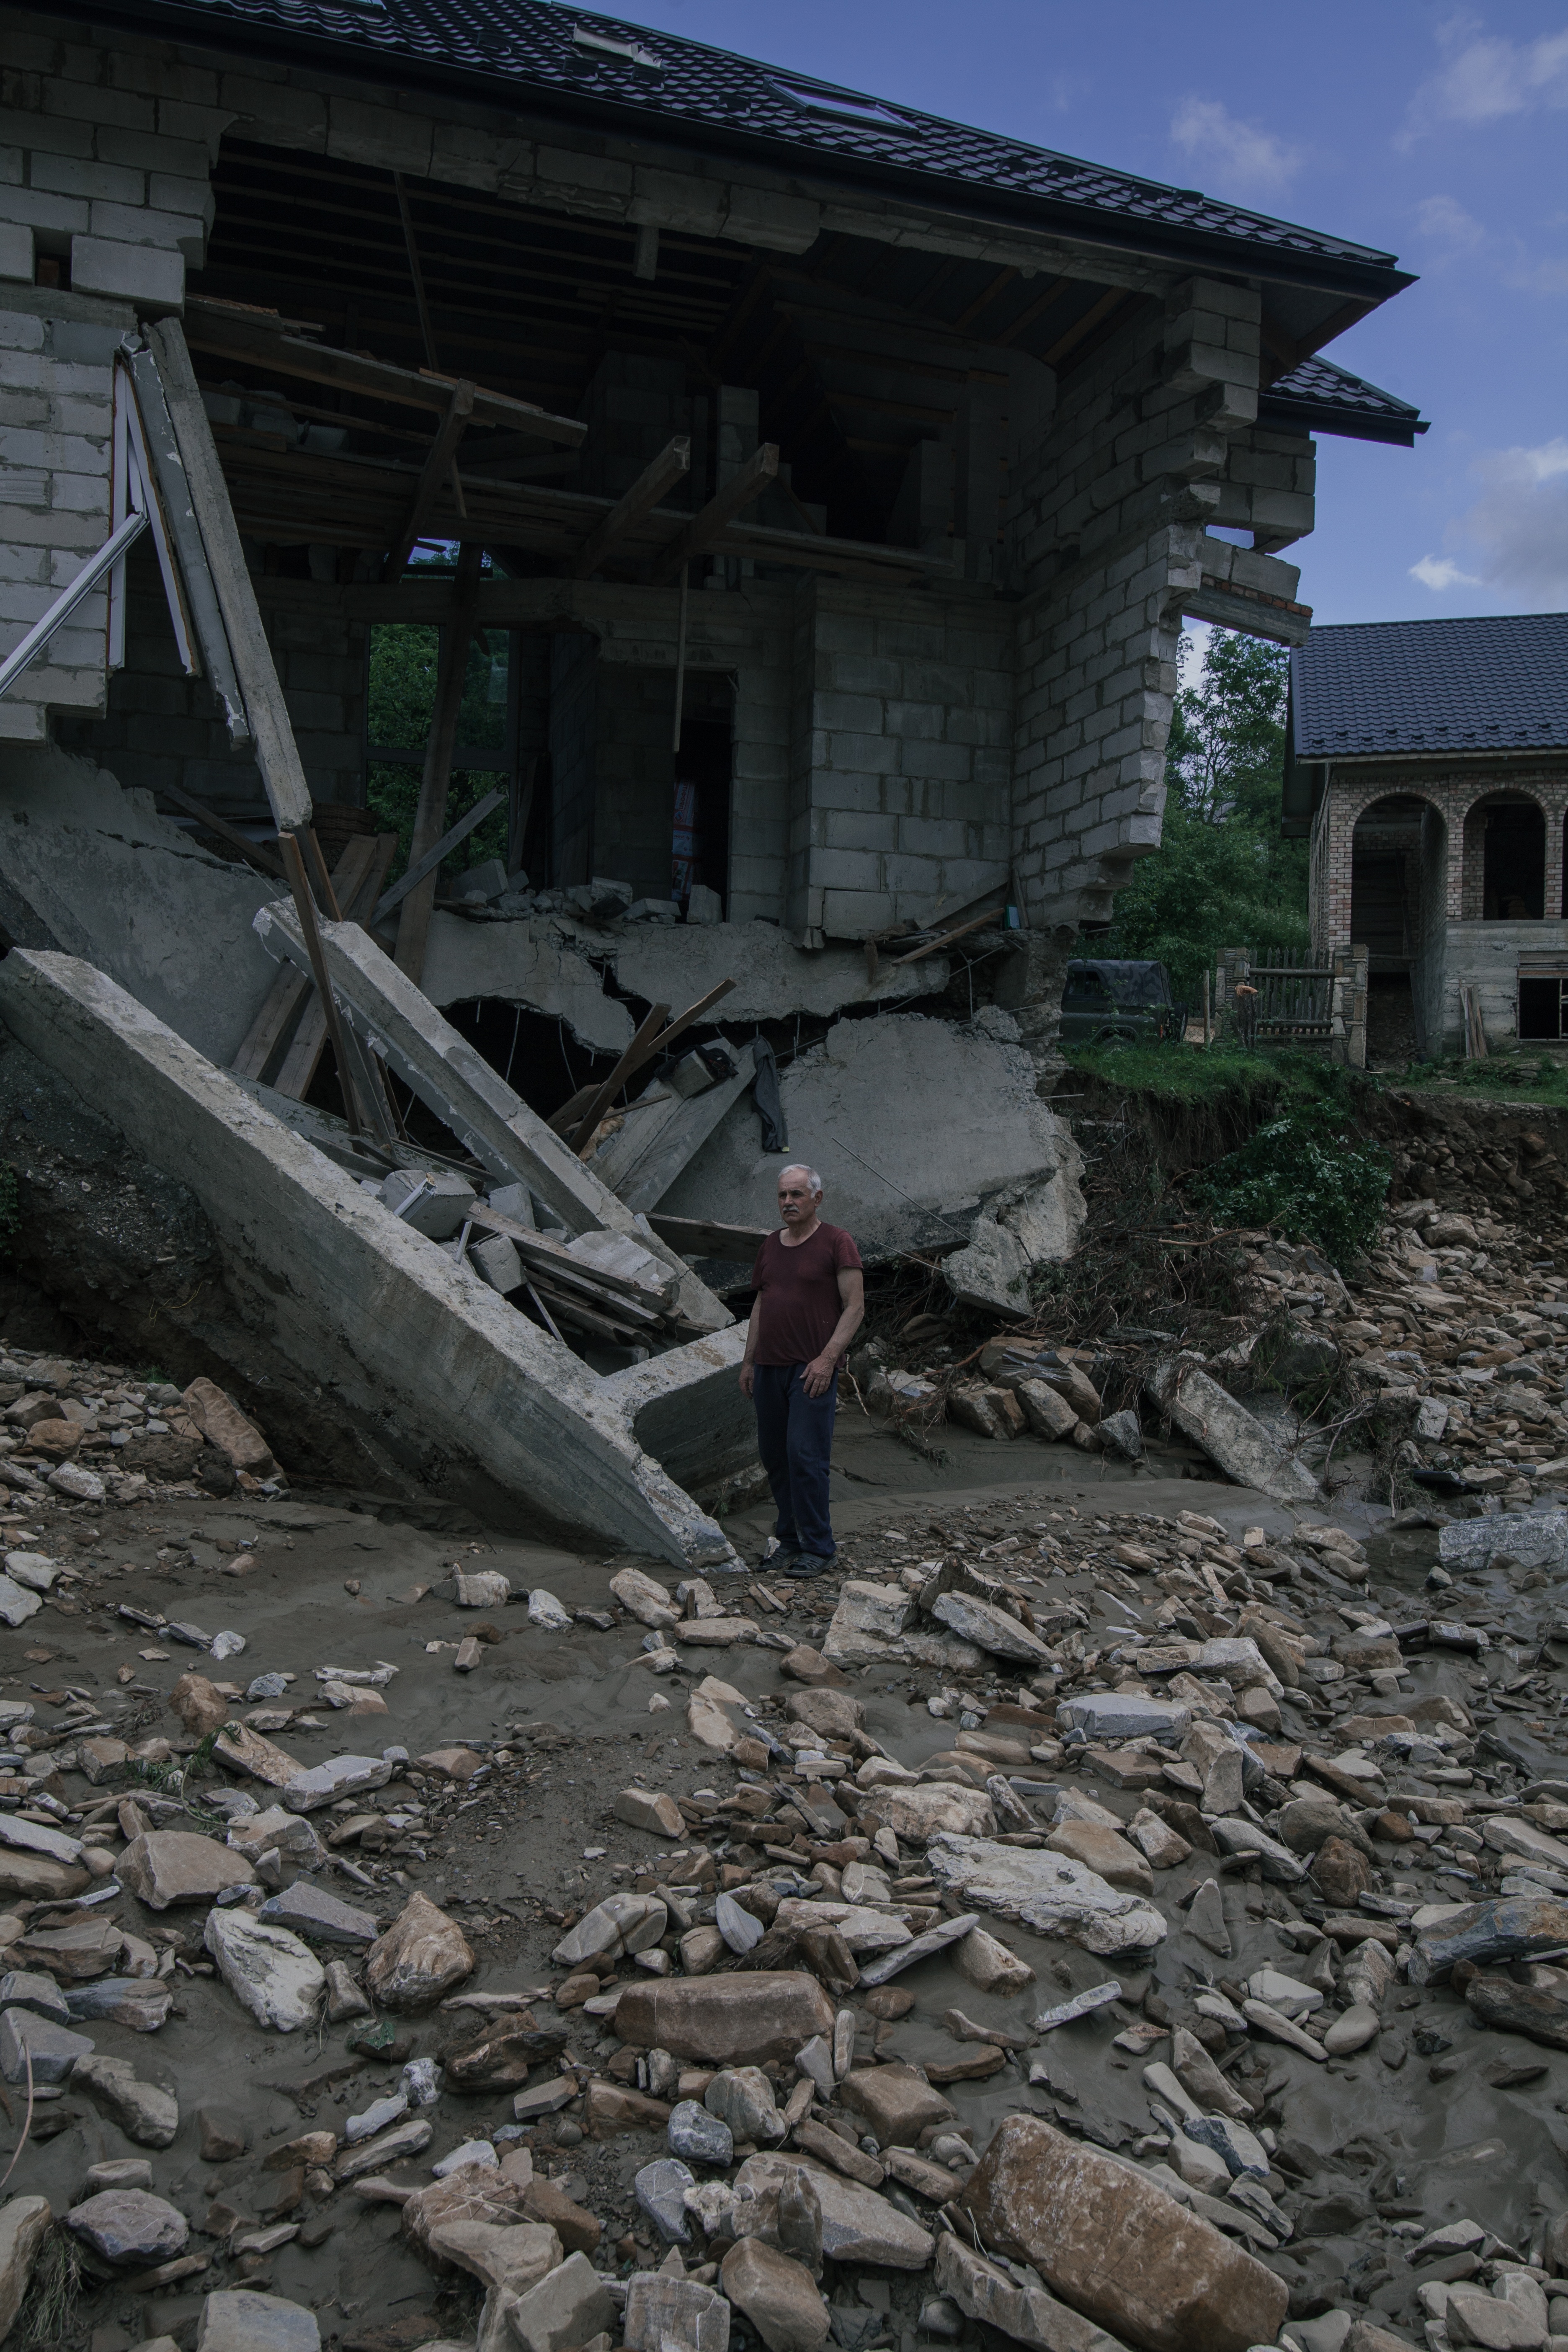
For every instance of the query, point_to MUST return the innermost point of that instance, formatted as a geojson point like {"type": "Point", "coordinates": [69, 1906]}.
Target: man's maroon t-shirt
{"type": "Point", "coordinates": [799, 1292]}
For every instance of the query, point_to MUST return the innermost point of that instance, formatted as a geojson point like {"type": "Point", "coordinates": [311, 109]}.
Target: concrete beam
{"type": "Point", "coordinates": [364, 1307]}
{"type": "Point", "coordinates": [399, 1021]}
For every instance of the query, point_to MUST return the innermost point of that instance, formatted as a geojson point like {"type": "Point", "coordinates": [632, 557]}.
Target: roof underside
{"type": "Point", "coordinates": [1400, 687]}
{"type": "Point", "coordinates": [532, 51]}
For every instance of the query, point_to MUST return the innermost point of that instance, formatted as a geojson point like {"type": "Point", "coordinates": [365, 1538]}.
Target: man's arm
{"type": "Point", "coordinates": [851, 1315]}
{"type": "Point", "coordinates": [753, 1333]}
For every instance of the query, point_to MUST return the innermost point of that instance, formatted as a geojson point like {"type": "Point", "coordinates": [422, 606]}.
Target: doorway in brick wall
{"type": "Point", "coordinates": [704, 769]}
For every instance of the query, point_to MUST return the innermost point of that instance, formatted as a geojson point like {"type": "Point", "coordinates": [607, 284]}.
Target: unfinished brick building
{"type": "Point", "coordinates": [928, 663]}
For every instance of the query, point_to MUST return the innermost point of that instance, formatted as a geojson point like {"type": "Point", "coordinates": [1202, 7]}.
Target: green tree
{"type": "Point", "coordinates": [402, 701]}
{"type": "Point", "coordinates": [1222, 875]}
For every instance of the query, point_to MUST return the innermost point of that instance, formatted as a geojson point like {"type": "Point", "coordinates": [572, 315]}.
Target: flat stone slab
{"type": "Point", "coordinates": [343, 1776]}
{"type": "Point", "coordinates": [238, 2320]}
{"type": "Point", "coordinates": [1048, 1892]}
{"type": "Point", "coordinates": [53, 2049]}
{"type": "Point", "coordinates": [1118, 1714]}
{"type": "Point", "coordinates": [1227, 1432]}
{"type": "Point", "coordinates": [311, 1911]}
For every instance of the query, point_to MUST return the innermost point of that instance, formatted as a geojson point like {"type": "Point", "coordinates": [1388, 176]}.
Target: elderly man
{"type": "Point", "coordinates": [810, 1302]}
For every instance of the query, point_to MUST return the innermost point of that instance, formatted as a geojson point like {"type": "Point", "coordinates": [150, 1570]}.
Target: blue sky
{"type": "Point", "coordinates": [1436, 134]}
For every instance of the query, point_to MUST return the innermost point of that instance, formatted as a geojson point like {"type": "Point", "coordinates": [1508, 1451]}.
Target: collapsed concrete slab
{"type": "Point", "coordinates": [373, 1315]}
{"type": "Point", "coordinates": [1228, 1433]}
{"type": "Point", "coordinates": [88, 868]}
{"type": "Point", "coordinates": [398, 1021]}
{"type": "Point", "coordinates": [915, 1126]}
{"type": "Point", "coordinates": [537, 962]}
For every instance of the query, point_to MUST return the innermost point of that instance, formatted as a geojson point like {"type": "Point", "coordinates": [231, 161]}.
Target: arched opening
{"type": "Point", "coordinates": [1505, 860]}
{"type": "Point", "coordinates": [1398, 865]}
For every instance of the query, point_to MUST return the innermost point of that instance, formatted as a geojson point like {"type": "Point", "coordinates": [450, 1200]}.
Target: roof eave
{"type": "Point", "coordinates": [1083, 225]}
{"type": "Point", "coordinates": [1435, 752]}
{"type": "Point", "coordinates": [1313, 416]}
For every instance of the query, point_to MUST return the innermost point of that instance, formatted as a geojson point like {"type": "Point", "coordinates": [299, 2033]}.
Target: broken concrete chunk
{"type": "Point", "coordinates": [269, 1972]}
{"type": "Point", "coordinates": [1228, 1433]}
{"type": "Point", "coordinates": [432, 1202]}
{"type": "Point", "coordinates": [1048, 1892]}
{"type": "Point", "coordinates": [481, 1588]}
{"type": "Point", "coordinates": [1116, 2246]}
{"type": "Point", "coordinates": [726, 2020]}
{"type": "Point", "coordinates": [421, 1956]}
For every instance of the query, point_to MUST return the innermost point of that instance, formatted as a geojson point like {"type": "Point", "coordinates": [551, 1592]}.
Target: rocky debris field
{"type": "Point", "coordinates": [1114, 1912]}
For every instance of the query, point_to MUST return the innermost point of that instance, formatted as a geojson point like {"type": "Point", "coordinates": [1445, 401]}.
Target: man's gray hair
{"type": "Point", "coordinates": [799, 1168]}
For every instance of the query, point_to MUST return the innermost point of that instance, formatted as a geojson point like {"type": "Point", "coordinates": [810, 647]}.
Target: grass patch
{"type": "Point", "coordinates": [49, 2312]}
{"type": "Point", "coordinates": [1225, 1071]}
{"type": "Point", "coordinates": [1517, 1078]}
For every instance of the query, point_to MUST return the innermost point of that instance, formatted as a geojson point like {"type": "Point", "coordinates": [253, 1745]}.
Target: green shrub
{"type": "Point", "coordinates": [1307, 1175]}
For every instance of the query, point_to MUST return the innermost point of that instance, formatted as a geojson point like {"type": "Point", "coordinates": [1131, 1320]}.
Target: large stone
{"type": "Point", "coordinates": [660, 2190]}
{"type": "Point", "coordinates": [1509, 1927]}
{"type": "Point", "coordinates": [1496, 2322]}
{"type": "Point", "coordinates": [697, 2136]}
{"type": "Point", "coordinates": [1028, 2313]}
{"type": "Point", "coordinates": [645, 1599]}
{"type": "Point", "coordinates": [1227, 1432]}
{"type": "Point", "coordinates": [609, 2108]}
{"type": "Point", "coordinates": [743, 2097]}
{"type": "Point", "coordinates": [726, 2020]}
{"type": "Point", "coordinates": [987, 1964]}
{"type": "Point", "coordinates": [621, 1925]}
{"type": "Point", "coordinates": [289, 1835]}
{"type": "Point", "coordinates": [128, 2225]}
{"type": "Point", "coordinates": [833, 1712]}
{"type": "Point", "coordinates": [312, 1911]}
{"type": "Point", "coordinates": [513, 2255]}
{"type": "Point", "coordinates": [869, 1623]}
{"type": "Point", "coordinates": [1116, 2247]}
{"type": "Point", "coordinates": [1051, 1893]}
{"type": "Point", "coordinates": [1523, 1841]}
{"type": "Point", "coordinates": [897, 2103]}
{"type": "Point", "coordinates": [991, 1629]}
{"type": "Point", "coordinates": [89, 1948]}
{"type": "Point", "coordinates": [199, 1705]}
{"type": "Point", "coordinates": [28, 2040]}
{"type": "Point", "coordinates": [223, 1424]}
{"type": "Point", "coordinates": [22, 1988]}
{"type": "Point", "coordinates": [578, 2229]}
{"type": "Point", "coordinates": [1232, 1835]}
{"type": "Point", "coordinates": [858, 2224]}
{"type": "Point", "coordinates": [35, 1879]}
{"type": "Point", "coordinates": [650, 1809]}
{"type": "Point", "coordinates": [239, 2320]}
{"type": "Point", "coordinates": [25, 2224]}
{"type": "Point", "coordinates": [469, 2193]}
{"type": "Point", "coordinates": [269, 1971]}
{"type": "Point", "coordinates": [247, 1751]}
{"type": "Point", "coordinates": [778, 2295]}
{"type": "Point", "coordinates": [1106, 1853]}
{"type": "Point", "coordinates": [36, 1837]}
{"type": "Point", "coordinates": [1124, 1715]}
{"type": "Point", "coordinates": [1202, 2080]}
{"type": "Point", "coordinates": [569, 2307]}
{"type": "Point", "coordinates": [865, 1927]}
{"type": "Point", "coordinates": [1344, 1874]}
{"type": "Point", "coordinates": [930, 1809]}
{"type": "Point", "coordinates": [136, 2002]}
{"type": "Point", "coordinates": [341, 1776]}
{"type": "Point", "coordinates": [922, 1947]}
{"type": "Point", "coordinates": [674, 2314]}
{"type": "Point", "coordinates": [145, 2114]}
{"type": "Point", "coordinates": [421, 1956]}
{"type": "Point", "coordinates": [1542, 2016]}
{"type": "Point", "coordinates": [1050, 1415]}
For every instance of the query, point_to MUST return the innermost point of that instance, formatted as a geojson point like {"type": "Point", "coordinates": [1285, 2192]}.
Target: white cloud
{"type": "Point", "coordinates": [1438, 572]}
{"type": "Point", "coordinates": [1515, 533]}
{"type": "Point", "coordinates": [1448, 222]}
{"type": "Point", "coordinates": [1240, 156]}
{"type": "Point", "coordinates": [1539, 277]}
{"type": "Point", "coordinates": [1484, 77]}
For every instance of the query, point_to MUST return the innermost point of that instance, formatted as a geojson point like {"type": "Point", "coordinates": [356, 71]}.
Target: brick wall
{"type": "Point", "coordinates": [158, 727]}
{"type": "Point", "coordinates": [1452, 790]}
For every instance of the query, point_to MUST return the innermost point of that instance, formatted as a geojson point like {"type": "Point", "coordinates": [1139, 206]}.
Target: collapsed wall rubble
{"type": "Point", "coordinates": [354, 1297]}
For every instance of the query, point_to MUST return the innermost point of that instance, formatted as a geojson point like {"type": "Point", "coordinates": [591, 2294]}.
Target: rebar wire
{"type": "Point", "coordinates": [516, 1032]}
{"type": "Point", "coordinates": [561, 1041]}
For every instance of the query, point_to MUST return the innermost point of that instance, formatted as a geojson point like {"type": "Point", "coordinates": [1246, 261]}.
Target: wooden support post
{"type": "Point", "coordinates": [305, 908]}
{"type": "Point", "coordinates": [439, 462]}
{"type": "Point", "coordinates": [253, 852]}
{"type": "Point", "coordinates": [357, 882]}
{"type": "Point", "coordinates": [673, 461]}
{"type": "Point", "coordinates": [414, 271]}
{"type": "Point", "coordinates": [680, 657]}
{"type": "Point", "coordinates": [365, 860]}
{"type": "Point", "coordinates": [272, 733]}
{"type": "Point", "coordinates": [599, 1100]}
{"type": "Point", "coordinates": [519, 812]}
{"type": "Point", "coordinates": [637, 1058]}
{"type": "Point", "coordinates": [430, 817]}
{"type": "Point", "coordinates": [416, 873]}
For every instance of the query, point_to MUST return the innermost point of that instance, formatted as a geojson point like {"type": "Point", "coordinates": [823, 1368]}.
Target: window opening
{"type": "Point", "coordinates": [841, 105]}
{"type": "Point", "coordinates": [1513, 886]}
{"type": "Point", "coordinates": [699, 844]}
{"type": "Point", "coordinates": [404, 659]}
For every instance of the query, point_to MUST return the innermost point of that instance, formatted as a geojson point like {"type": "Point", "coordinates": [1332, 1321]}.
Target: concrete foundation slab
{"type": "Point", "coordinates": [532, 962]}
{"type": "Point", "coordinates": [375, 1315]}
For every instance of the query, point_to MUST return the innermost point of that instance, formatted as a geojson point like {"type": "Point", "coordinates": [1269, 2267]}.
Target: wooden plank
{"type": "Point", "coordinates": [599, 1101]}
{"type": "Point", "coordinates": [433, 476]}
{"type": "Point", "coordinates": [435, 853]}
{"type": "Point", "coordinates": [290, 988]}
{"type": "Point", "coordinates": [673, 461]}
{"type": "Point", "coordinates": [539, 1252]}
{"type": "Point", "coordinates": [947, 938]}
{"type": "Point", "coordinates": [699, 1237]}
{"type": "Point", "coordinates": [254, 853]}
{"type": "Point", "coordinates": [305, 908]}
{"type": "Point", "coordinates": [570, 1113]}
{"type": "Point", "coordinates": [430, 815]}
{"type": "Point", "coordinates": [714, 520]}
{"type": "Point", "coordinates": [272, 734]}
{"type": "Point", "coordinates": [361, 883]}
{"type": "Point", "coordinates": [680, 1137]}
{"type": "Point", "coordinates": [213, 327]}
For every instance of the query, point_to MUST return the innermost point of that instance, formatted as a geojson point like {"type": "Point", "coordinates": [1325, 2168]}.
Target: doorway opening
{"type": "Point", "coordinates": [704, 768]}
{"type": "Point", "coordinates": [1513, 862]}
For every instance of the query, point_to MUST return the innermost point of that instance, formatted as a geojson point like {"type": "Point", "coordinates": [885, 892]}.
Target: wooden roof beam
{"type": "Point", "coordinates": [439, 465]}
{"type": "Point", "coordinates": [718, 514]}
{"type": "Point", "coordinates": [672, 463]}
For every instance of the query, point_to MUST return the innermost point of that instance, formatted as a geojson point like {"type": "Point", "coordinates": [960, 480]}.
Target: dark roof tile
{"type": "Point", "coordinates": [1328, 399]}
{"type": "Point", "coordinates": [1498, 683]}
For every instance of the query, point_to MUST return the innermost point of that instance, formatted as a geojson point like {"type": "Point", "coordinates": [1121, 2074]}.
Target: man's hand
{"type": "Point", "coordinates": [747, 1377]}
{"type": "Point", "coordinates": [819, 1375]}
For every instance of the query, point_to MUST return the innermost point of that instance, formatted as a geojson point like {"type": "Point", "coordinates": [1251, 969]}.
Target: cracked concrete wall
{"type": "Point", "coordinates": [347, 1293]}
{"type": "Point", "coordinates": [106, 878]}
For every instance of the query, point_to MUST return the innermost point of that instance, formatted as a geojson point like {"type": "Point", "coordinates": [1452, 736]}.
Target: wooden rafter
{"type": "Point", "coordinates": [438, 464]}
{"type": "Point", "coordinates": [711, 522]}
{"type": "Point", "coordinates": [671, 465]}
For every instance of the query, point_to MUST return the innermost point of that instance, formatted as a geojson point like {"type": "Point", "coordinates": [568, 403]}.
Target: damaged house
{"type": "Point", "coordinates": [818, 489]}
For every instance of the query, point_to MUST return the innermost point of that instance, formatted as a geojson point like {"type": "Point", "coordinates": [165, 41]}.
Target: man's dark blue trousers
{"type": "Point", "coordinates": [795, 1439]}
